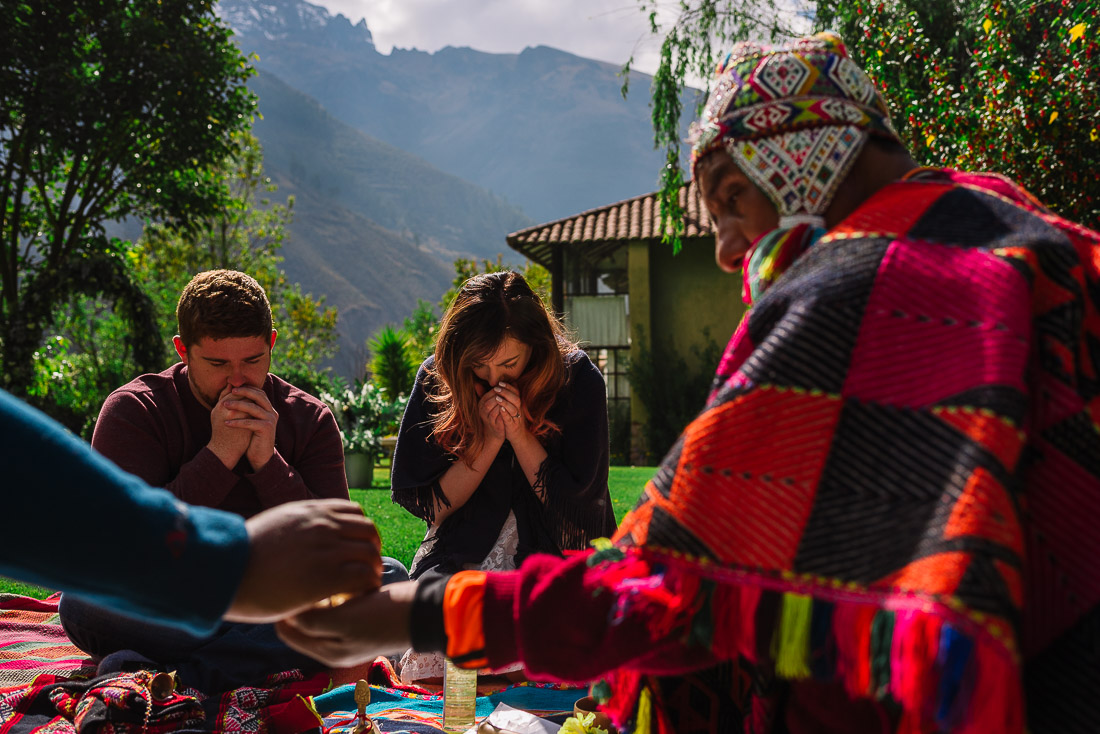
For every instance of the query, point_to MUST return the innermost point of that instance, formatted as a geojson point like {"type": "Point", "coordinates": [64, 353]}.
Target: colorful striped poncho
{"type": "Point", "coordinates": [893, 491]}
{"type": "Point", "coordinates": [901, 457]}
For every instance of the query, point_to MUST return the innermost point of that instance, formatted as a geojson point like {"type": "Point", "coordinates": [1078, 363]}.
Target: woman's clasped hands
{"type": "Point", "coordinates": [501, 408]}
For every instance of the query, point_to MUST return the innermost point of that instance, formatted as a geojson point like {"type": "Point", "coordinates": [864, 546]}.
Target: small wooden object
{"type": "Point", "coordinates": [365, 724]}
{"type": "Point", "coordinates": [588, 705]}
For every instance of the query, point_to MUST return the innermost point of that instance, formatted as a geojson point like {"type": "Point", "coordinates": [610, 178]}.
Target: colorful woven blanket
{"type": "Point", "coordinates": [44, 682]}
{"type": "Point", "coordinates": [32, 643]}
{"type": "Point", "coordinates": [895, 484]}
{"type": "Point", "coordinates": [128, 703]}
{"type": "Point", "coordinates": [396, 710]}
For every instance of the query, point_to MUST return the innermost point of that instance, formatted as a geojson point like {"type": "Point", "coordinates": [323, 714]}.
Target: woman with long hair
{"type": "Point", "coordinates": [503, 448]}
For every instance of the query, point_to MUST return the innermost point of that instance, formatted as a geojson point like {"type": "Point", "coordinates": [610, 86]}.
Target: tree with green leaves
{"type": "Point", "coordinates": [690, 48]}
{"type": "Point", "coordinates": [393, 365]}
{"type": "Point", "coordinates": [245, 234]}
{"type": "Point", "coordinates": [108, 110]}
{"type": "Point", "coordinates": [85, 356]}
{"type": "Point", "coordinates": [536, 276]}
{"type": "Point", "coordinates": [1003, 85]}
{"type": "Point", "coordinates": [999, 85]}
{"type": "Point", "coordinates": [421, 328]}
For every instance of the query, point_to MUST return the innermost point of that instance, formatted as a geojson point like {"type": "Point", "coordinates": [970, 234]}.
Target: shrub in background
{"type": "Point", "coordinates": [671, 392]}
{"type": "Point", "coordinates": [316, 382]}
{"type": "Point", "coordinates": [996, 85]}
{"type": "Point", "coordinates": [1011, 86]}
{"type": "Point", "coordinates": [618, 428]}
{"type": "Point", "coordinates": [393, 365]}
{"type": "Point", "coordinates": [365, 414]}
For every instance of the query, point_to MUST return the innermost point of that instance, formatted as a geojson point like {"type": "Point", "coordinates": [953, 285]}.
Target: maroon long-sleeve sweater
{"type": "Point", "coordinates": [154, 427]}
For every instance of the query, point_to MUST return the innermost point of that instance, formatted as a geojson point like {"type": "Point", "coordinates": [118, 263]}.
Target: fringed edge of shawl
{"type": "Point", "coordinates": [946, 669]}
{"type": "Point", "coordinates": [573, 528]}
{"type": "Point", "coordinates": [424, 501]}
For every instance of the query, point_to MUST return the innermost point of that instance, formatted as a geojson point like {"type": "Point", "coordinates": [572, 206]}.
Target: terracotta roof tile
{"type": "Point", "coordinates": [631, 219]}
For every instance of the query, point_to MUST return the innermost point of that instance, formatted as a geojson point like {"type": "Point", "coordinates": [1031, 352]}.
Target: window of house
{"type": "Point", "coordinates": [612, 363]}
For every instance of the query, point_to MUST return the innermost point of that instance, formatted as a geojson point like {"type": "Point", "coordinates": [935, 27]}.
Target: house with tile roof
{"type": "Point", "coordinates": [626, 296]}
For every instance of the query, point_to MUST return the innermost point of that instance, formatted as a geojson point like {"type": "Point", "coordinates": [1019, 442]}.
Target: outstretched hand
{"type": "Point", "coordinates": [356, 631]}
{"type": "Point", "coordinates": [301, 552]}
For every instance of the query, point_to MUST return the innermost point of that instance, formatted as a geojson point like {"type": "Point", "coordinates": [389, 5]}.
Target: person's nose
{"type": "Point", "coordinates": [495, 375]}
{"type": "Point", "coordinates": [237, 378]}
{"type": "Point", "coordinates": [729, 247]}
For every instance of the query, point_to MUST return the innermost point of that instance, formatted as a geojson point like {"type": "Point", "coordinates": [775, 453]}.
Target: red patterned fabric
{"type": "Point", "coordinates": [124, 704]}
{"type": "Point", "coordinates": [43, 689]}
{"type": "Point", "coordinates": [895, 484]}
{"type": "Point", "coordinates": [32, 642]}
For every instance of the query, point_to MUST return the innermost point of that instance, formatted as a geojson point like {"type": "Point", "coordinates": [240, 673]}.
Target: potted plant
{"type": "Point", "coordinates": [359, 412]}
{"type": "Point", "coordinates": [368, 422]}
{"type": "Point", "coordinates": [391, 423]}
{"type": "Point", "coordinates": [361, 446]}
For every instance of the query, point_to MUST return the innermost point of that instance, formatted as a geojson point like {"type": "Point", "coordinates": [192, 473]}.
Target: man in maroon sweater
{"type": "Point", "coordinates": [217, 430]}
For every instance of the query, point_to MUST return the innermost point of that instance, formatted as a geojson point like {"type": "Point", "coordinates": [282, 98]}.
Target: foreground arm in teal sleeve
{"type": "Point", "coordinates": [74, 521]}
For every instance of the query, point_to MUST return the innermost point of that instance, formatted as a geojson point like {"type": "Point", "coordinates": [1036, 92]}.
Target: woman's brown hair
{"type": "Point", "coordinates": [488, 308]}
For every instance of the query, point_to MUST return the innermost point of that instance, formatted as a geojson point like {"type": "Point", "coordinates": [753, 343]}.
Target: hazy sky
{"type": "Point", "coordinates": [607, 30]}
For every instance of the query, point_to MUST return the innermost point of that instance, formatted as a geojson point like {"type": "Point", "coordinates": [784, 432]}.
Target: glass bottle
{"type": "Point", "coordinates": [459, 697]}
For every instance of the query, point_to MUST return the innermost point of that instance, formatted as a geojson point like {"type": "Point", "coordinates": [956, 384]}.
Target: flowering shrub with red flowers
{"type": "Point", "coordinates": [1011, 86]}
{"type": "Point", "coordinates": [1003, 86]}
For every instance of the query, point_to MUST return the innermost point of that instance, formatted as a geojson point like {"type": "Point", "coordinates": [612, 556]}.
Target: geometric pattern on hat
{"type": "Point", "coordinates": [789, 115]}
{"type": "Point", "coordinates": [811, 70]}
{"type": "Point", "coordinates": [851, 80]}
{"type": "Point", "coordinates": [783, 75]}
{"type": "Point", "coordinates": [766, 94]}
{"type": "Point", "coordinates": [799, 171]}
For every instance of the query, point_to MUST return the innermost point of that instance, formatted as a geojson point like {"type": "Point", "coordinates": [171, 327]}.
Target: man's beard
{"type": "Point", "coordinates": [208, 401]}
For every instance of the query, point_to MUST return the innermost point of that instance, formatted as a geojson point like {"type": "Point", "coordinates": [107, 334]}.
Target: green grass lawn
{"type": "Point", "coordinates": [401, 532]}
{"type": "Point", "coordinates": [7, 586]}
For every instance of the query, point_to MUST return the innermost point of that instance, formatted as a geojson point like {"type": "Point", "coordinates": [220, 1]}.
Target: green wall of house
{"type": "Point", "coordinates": [676, 299]}
{"type": "Point", "coordinates": [640, 315]}
{"type": "Point", "coordinates": [689, 294]}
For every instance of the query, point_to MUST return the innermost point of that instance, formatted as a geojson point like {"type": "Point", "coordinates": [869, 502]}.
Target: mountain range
{"type": "Point", "coordinates": [401, 162]}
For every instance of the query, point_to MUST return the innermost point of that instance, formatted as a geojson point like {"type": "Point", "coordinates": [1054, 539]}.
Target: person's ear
{"type": "Point", "coordinates": [274, 333]}
{"type": "Point", "coordinates": [181, 348]}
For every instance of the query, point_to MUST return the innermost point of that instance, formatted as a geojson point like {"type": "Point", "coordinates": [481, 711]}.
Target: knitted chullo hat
{"type": "Point", "coordinates": [793, 117]}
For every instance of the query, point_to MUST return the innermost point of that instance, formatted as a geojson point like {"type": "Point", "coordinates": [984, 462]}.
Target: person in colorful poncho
{"type": "Point", "coordinates": [884, 517]}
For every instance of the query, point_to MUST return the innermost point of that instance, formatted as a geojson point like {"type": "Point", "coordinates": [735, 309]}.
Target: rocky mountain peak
{"type": "Point", "coordinates": [292, 20]}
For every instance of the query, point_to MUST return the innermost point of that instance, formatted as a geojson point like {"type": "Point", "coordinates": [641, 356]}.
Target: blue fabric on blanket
{"type": "Point", "coordinates": [534, 697]}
